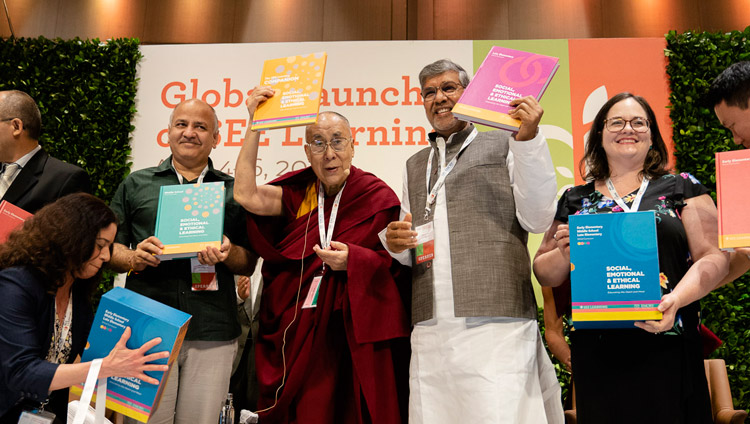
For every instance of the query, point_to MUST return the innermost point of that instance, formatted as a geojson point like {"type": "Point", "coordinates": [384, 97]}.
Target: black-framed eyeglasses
{"type": "Point", "coordinates": [617, 124]}
{"type": "Point", "coordinates": [319, 146]}
{"type": "Point", "coordinates": [6, 119]}
{"type": "Point", "coordinates": [448, 88]}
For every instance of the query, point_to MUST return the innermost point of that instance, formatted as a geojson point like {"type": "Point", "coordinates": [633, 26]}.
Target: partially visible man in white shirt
{"type": "Point", "coordinates": [729, 95]}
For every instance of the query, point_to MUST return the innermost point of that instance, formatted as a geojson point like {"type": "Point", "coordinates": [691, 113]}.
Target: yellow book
{"type": "Point", "coordinates": [298, 82]}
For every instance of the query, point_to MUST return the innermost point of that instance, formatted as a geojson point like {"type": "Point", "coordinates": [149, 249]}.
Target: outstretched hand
{"type": "Point", "coordinates": [399, 236]}
{"type": "Point", "coordinates": [124, 362]}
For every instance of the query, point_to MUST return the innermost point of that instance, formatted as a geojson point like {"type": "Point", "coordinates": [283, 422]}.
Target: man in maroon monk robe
{"type": "Point", "coordinates": [332, 345]}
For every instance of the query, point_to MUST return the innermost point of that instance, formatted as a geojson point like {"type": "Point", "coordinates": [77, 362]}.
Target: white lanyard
{"type": "Point", "coordinates": [200, 177]}
{"type": "Point", "coordinates": [638, 196]}
{"type": "Point", "coordinates": [447, 170]}
{"type": "Point", "coordinates": [326, 237]}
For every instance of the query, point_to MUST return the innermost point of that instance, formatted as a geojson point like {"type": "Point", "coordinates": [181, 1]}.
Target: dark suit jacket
{"type": "Point", "coordinates": [43, 180]}
{"type": "Point", "coordinates": [26, 328]}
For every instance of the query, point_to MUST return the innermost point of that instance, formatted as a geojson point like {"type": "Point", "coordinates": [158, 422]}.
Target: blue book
{"type": "Point", "coordinates": [614, 269]}
{"type": "Point", "coordinates": [190, 218]}
{"type": "Point", "coordinates": [147, 319]}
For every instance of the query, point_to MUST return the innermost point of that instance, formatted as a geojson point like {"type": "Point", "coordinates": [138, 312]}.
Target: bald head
{"type": "Point", "coordinates": [17, 104]}
{"type": "Point", "coordinates": [328, 116]}
{"type": "Point", "coordinates": [199, 103]}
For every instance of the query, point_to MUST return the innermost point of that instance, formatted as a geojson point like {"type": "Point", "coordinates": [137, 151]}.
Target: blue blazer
{"type": "Point", "coordinates": [26, 328]}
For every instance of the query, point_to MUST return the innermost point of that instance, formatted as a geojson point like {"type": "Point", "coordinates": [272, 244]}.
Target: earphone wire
{"type": "Point", "coordinates": [294, 318]}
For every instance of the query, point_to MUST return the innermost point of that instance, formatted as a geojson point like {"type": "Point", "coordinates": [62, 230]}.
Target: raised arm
{"type": "Point", "coordinates": [264, 199]}
{"type": "Point", "coordinates": [532, 173]}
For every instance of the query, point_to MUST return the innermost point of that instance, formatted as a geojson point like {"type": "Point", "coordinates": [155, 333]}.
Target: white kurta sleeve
{"type": "Point", "coordinates": [404, 257]}
{"type": "Point", "coordinates": [532, 176]}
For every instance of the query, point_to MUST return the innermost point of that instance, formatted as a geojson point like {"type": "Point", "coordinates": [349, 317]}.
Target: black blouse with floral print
{"type": "Point", "coordinates": [667, 196]}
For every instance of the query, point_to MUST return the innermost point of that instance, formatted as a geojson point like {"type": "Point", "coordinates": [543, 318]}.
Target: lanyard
{"type": "Point", "coordinates": [638, 196]}
{"type": "Point", "coordinates": [447, 170]}
{"type": "Point", "coordinates": [326, 237]}
{"type": "Point", "coordinates": [200, 177]}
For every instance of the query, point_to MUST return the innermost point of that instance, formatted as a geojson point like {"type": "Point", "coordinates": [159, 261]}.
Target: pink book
{"type": "Point", "coordinates": [504, 75]}
{"type": "Point", "coordinates": [11, 217]}
{"type": "Point", "coordinates": [733, 198]}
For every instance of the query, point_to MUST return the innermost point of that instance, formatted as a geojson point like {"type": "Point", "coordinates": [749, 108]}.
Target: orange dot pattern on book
{"type": "Point", "coordinates": [200, 200]}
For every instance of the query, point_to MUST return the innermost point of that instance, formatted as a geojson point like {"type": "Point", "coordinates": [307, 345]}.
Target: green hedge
{"type": "Point", "coordinates": [85, 90]}
{"type": "Point", "coordinates": [694, 60]}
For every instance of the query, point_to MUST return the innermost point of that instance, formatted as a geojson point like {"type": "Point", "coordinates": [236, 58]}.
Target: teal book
{"type": "Point", "coordinates": [190, 218]}
{"type": "Point", "coordinates": [614, 269]}
{"type": "Point", "coordinates": [120, 308]}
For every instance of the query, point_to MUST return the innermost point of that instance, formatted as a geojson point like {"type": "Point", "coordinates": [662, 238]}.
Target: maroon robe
{"type": "Point", "coordinates": [346, 359]}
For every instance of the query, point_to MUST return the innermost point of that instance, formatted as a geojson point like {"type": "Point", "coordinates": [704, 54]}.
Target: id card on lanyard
{"type": "Point", "coordinates": [202, 277]}
{"type": "Point", "coordinates": [425, 250]}
{"type": "Point", "coordinates": [36, 416]}
{"type": "Point", "coordinates": [311, 300]}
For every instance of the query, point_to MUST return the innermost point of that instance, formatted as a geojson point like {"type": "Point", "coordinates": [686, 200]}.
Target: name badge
{"type": "Point", "coordinates": [203, 277]}
{"type": "Point", "coordinates": [36, 417]}
{"type": "Point", "coordinates": [311, 301]}
{"type": "Point", "coordinates": [425, 250]}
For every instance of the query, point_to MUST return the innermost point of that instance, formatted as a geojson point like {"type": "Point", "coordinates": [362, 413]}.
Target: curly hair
{"type": "Point", "coordinates": [657, 158]}
{"type": "Point", "coordinates": [59, 239]}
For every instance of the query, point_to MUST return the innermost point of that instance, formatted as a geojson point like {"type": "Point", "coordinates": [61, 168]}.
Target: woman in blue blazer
{"type": "Point", "coordinates": [48, 270]}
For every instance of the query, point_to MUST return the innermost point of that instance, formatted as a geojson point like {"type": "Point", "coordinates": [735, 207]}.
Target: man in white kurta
{"type": "Point", "coordinates": [474, 361]}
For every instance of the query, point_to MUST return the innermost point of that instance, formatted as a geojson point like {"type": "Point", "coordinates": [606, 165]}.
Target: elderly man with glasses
{"type": "Point", "coordinates": [332, 344]}
{"type": "Point", "coordinates": [469, 201]}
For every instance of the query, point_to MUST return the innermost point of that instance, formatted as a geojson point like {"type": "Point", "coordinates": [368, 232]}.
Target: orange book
{"type": "Point", "coordinates": [298, 82]}
{"type": "Point", "coordinates": [11, 217]}
{"type": "Point", "coordinates": [733, 198]}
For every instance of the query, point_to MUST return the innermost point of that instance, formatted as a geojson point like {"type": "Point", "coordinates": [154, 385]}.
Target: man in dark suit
{"type": "Point", "coordinates": [30, 177]}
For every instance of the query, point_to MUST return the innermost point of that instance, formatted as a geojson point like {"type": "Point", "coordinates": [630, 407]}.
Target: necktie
{"type": "Point", "coordinates": [9, 171]}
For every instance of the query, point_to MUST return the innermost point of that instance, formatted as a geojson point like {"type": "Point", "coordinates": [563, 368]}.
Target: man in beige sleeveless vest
{"type": "Point", "coordinates": [476, 351]}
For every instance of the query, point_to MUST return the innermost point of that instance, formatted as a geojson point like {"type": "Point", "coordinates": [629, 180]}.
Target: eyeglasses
{"type": "Point", "coordinates": [617, 124]}
{"type": "Point", "coordinates": [448, 88]}
{"type": "Point", "coordinates": [319, 146]}
{"type": "Point", "coordinates": [6, 119]}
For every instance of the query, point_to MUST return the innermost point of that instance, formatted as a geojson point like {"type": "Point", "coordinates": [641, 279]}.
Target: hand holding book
{"type": "Point", "coordinates": [529, 112]}
{"type": "Point", "coordinates": [212, 256]}
{"type": "Point", "coordinates": [145, 254]}
{"type": "Point", "coordinates": [669, 305]}
{"type": "Point", "coordinates": [258, 96]}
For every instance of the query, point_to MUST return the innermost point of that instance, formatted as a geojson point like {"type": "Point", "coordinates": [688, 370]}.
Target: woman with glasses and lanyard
{"type": "Point", "coordinates": [653, 373]}
{"type": "Point", "coordinates": [49, 269]}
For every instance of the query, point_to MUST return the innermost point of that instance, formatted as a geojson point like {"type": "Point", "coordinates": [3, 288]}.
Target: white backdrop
{"type": "Point", "coordinates": [373, 83]}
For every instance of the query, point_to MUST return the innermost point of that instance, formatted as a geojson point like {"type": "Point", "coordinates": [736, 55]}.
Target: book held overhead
{"type": "Point", "coordinates": [504, 75]}
{"type": "Point", "coordinates": [297, 82]}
